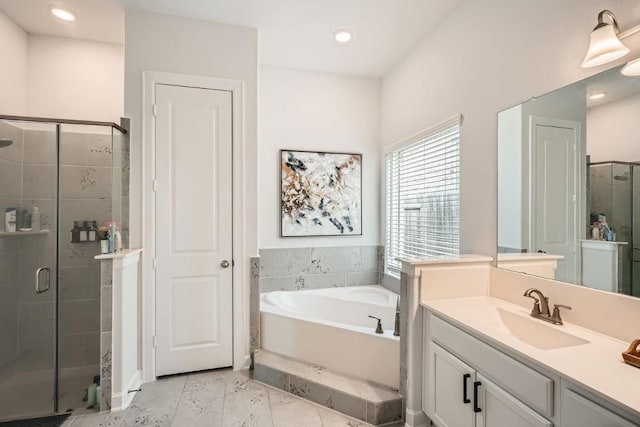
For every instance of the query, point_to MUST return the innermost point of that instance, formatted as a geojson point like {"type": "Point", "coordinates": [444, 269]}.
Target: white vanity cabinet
{"type": "Point", "coordinates": [460, 396]}
{"type": "Point", "coordinates": [579, 411]}
{"type": "Point", "coordinates": [470, 384]}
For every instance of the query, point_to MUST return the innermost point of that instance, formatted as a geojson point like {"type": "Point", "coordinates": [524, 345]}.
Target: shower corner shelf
{"type": "Point", "coordinates": [23, 233]}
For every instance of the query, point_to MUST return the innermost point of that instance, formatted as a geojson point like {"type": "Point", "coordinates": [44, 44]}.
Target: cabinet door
{"type": "Point", "coordinates": [448, 378]}
{"type": "Point", "coordinates": [580, 412]}
{"type": "Point", "coordinates": [500, 409]}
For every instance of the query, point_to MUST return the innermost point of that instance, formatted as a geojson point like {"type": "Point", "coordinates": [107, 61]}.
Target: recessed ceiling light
{"type": "Point", "coordinates": [598, 95]}
{"type": "Point", "coordinates": [62, 12]}
{"type": "Point", "coordinates": [343, 35]}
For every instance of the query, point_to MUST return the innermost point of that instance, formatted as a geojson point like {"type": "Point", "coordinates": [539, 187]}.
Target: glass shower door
{"type": "Point", "coordinates": [28, 265]}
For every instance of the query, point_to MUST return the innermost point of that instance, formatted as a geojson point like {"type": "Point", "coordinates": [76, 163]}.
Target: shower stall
{"type": "Point", "coordinates": [76, 174]}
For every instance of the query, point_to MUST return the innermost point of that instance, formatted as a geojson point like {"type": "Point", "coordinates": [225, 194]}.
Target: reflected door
{"type": "Point", "coordinates": [554, 184]}
{"type": "Point", "coordinates": [28, 256]}
{"type": "Point", "coordinates": [193, 229]}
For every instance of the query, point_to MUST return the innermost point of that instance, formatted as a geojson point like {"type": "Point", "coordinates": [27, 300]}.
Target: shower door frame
{"type": "Point", "coordinates": [56, 301]}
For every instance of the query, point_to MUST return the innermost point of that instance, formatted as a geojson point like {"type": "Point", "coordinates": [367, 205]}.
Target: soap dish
{"type": "Point", "coordinates": [632, 355]}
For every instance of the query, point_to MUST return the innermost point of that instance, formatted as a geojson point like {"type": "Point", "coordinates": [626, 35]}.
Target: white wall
{"type": "Point", "coordinates": [485, 57]}
{"type": "Point", "coordinates": [510, 232]}
{"type": "Point", "coordinates": [75, 79]}
{"type": "Point", "coordinates": [13, 71]}
{"type": "Point", "coordinates": [185, 46]}
{"type": "Point", "coordinates": [178, 45]}
{"type": "Point", "coordinates": [613, 131]}
{"type": "Point", "coordinates": [315, 111]}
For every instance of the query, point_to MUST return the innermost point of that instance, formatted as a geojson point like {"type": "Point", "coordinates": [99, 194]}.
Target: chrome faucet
{"type": "Point", "coordinates": [540, 308]}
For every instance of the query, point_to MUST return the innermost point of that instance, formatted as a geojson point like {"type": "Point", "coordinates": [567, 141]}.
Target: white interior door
{"type": "Point", "coordinates": [555, 196]}
{"type": "Point", "coordinates": [193, 223]}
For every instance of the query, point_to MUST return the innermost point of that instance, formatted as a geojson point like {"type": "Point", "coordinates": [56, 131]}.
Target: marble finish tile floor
{"type": "Point", "coordinates": [223, 398]}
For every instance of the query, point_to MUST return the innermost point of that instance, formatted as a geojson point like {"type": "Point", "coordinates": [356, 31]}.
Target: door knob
{"type": "Point", "coordinates": [224, 264]}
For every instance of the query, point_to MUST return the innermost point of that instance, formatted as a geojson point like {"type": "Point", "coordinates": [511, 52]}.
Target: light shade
{"type": "Point", "coordinates": [605, 45]}
{"type": "Point", "coordinates": [632, 68]}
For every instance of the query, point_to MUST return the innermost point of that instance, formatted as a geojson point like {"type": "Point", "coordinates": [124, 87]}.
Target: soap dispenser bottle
{"type": "Point", "coordinates": [75, 232]}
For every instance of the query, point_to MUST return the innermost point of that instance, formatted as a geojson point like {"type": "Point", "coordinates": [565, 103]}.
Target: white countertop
{"type": "Point", "coordinates": [447, 259]}
{"type": "Point", "coordinates": [597, 365]}
{"type": "Point", "coordinates": [121, 254]}
{"type": "Point", "coordinates": [528, 256]}
{"type": "Point", "coordinates": [603, 242]}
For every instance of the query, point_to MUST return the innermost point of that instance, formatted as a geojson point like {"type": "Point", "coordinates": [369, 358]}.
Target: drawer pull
{"type": "Point", "coordinates": [476, 385]}
{"type": "Point", "coordinates": [465, 398]}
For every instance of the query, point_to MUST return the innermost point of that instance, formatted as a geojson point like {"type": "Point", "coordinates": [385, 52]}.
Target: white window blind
{"type": "Point", "coordinates": [423, 196]}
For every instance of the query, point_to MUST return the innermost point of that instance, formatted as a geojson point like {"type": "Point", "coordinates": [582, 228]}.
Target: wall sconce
{"type": "Point", "coordinates": [605, 45]}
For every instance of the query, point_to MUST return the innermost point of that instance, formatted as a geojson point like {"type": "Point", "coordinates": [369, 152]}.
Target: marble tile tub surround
{"type": "Point", "coordinates": [106, 351]}
{"type": "Point", "coordinates": [372, 403]}
{"type": "Point", "coordinates": [319, 267]}
{"type": "Point", "coordinates": [254, 305]}
{"type": "Point", "coordinates": [222, 398]}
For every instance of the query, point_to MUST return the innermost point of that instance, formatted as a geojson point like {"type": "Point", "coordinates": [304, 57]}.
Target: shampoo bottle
{"type": "Point", "coordinates": [35, 218]}
{"type": "Point", "coordinates": [10, 220]}
{"type": "Point", "coordinates": [84, 232]}
{"type": "Point", "coordinates": [75, 232]}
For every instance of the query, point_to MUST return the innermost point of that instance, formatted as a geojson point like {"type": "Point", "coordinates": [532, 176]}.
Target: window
{"type": "Point", "coordinates": [423, 196]}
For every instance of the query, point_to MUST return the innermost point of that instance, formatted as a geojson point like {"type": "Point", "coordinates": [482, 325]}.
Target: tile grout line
{"type": "Point", "coordinates": [175, 410]}
{"type": "Point", "coordinates": [224, 400]}
{"type": "Point", "coordinates": [270, 408]}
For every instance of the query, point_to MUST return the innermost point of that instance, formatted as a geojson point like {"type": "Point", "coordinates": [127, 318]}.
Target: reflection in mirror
{"type": "Point", "coordinates": [569, 184]}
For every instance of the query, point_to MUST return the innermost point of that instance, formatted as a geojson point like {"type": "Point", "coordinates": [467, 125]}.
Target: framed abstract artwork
{"type": "Point", "coordinates": [321, 194]}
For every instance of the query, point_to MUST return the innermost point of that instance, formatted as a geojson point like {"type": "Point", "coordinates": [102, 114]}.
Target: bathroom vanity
{"type": "Point", "coordinates": [487, 363]}
{"type": "Point", "coordinates": [475, 356]}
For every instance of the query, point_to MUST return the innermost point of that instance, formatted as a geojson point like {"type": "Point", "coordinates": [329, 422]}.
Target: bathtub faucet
{"type": "Point", "coordinates": [396, 327]}
{"type": "Point", "coordinates": [379, 327]}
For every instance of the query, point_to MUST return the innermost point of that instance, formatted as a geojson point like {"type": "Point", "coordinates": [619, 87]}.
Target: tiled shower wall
{"type": "Point", "coordinates": [28, 174]}
{"type": "Point", "coordinates": [85, 194]}
{"type": "Point", "coordinates": [27, 318]}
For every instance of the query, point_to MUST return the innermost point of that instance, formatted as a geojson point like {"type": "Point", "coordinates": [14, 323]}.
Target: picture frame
{"type": "Point", "coordinates": [320, 193]}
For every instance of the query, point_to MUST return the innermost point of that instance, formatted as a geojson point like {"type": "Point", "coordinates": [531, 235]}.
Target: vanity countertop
{"type": "Point", "coordinates": [125, 253]}
{"type": "Point", "coordinates": [597, 364]}
{"type": "Point", "coordinates": [528, 256]}
{"type": "Point", "coordinates": [601, 242]}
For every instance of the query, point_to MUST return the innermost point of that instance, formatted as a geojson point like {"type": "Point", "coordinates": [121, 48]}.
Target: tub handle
{"type": "Point", "coordinates": [379, 327]}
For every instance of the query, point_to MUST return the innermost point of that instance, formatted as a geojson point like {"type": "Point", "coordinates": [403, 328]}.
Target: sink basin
{"type": "Point", "coordinates": [534, 333]}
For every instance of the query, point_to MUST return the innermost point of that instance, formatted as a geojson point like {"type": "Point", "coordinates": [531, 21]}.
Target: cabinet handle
{"type": "Point", "coordinates": [465, 398]}
{"type": "Point", "coordinates": [476, 385]}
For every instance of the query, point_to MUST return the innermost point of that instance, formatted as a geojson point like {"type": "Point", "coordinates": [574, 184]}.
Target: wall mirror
{"type": "Point", "coordinates": [569, 184]}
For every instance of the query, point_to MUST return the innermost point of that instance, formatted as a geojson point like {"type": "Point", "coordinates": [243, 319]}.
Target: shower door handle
{"type": "Point", "coordinates": [38, 271]}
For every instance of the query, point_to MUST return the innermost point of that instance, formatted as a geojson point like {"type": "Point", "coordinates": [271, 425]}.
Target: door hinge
{"type": "Point", "coordinates": [154, 110]}
{"type": "Point", "coordinates": [155, 263]}
{"type": "Point", "coordinates": [575, 148]}
{"type": "Point", "coordinates": [155, 185]}
{"type": "Point", "coordinates": [155, 342]}
{"type": "Point", "coordinates": [575, 198]}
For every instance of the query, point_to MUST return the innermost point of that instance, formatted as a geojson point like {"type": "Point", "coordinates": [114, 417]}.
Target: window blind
{"type": "Point", "coordinates": [423, 196]}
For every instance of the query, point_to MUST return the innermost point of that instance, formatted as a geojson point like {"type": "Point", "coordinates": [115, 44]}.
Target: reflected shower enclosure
{"type": "Point", "coordinates": [614, 191]}
{"type": "Point", "coordinates": [49, 287]}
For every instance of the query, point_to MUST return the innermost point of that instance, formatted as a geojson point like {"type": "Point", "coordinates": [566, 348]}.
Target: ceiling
{"type": "Point", "coordinates": [293, 33]}
{"type": "Point", "coordinates": [98, 20]}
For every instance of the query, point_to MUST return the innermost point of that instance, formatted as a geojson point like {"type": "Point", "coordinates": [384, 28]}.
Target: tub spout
{"type": "Point", "coordinates": [379, 327]}
{"type": "Point", "coordinates": [396, 327]}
